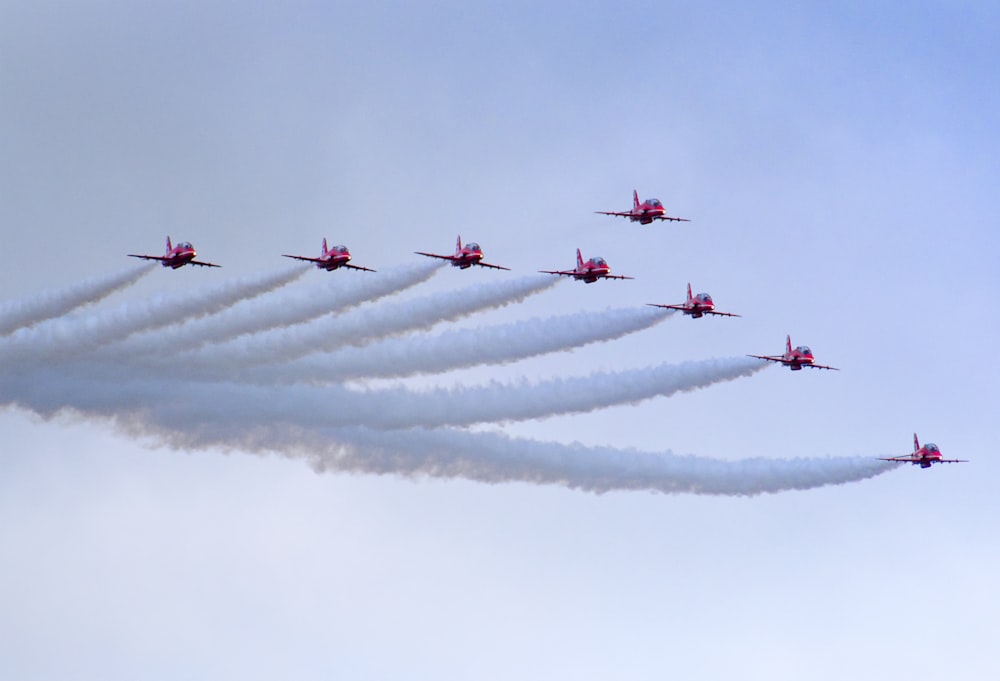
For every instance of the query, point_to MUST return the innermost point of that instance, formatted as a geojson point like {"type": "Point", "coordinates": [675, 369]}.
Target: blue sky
{"type": "Point", "coordinates": [838, 164]}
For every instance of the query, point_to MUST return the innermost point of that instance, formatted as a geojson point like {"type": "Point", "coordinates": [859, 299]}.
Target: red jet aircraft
{"type": "Point", "coordinates": [924, 456]}
{"type": "Point", "coordinates": [644, 212]}
{"type": "Point", "coordinates": [696, 306]}
{"type": "Point", "coordinates": [331, 259]}
{"type": "Point", "coordinates": [176, 256]}
{"type": "Point", "coordinates": [465, 256]}
{"type": "Point", "coordinates": [590, 271]}
{"type": "Point", "coordinates": [795, 359]}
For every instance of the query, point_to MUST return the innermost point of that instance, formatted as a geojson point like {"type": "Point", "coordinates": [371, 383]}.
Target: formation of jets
{"type": "Point", "coordinates": [589, 271]}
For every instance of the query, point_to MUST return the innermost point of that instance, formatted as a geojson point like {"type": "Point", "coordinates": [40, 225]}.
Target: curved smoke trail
{"type": "Point", "coordinates": [424, 353]}
{"type": "Point", "coordinates": [357, 327]}
{"type": "Point", "coordinates": [75, 364]}
{"type": "Point", "coordinates": [22, 314]}
{"type": "Point", "coordinates": [495, 458]}
{"type": "Point", "coordinates": [50, 390]}
{"type": "Point", "coordinates": [462, 348]}
{"type": "Point", "coordinates": [331, 294]}
{"type": "Point", "coordinates": [71, 335]}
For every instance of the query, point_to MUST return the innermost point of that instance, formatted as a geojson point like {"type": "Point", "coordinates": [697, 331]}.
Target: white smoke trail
{"type": "Point", "coordinates": [429, 354]}
{"type": "Point", "coordinates": [75, 335]}
{"type": "Point", "coordinates": [495, 458]}
{"type": "Point", "coordinates": [357, 327]}
{"type": "Point", "coordinates": [21, 314]}
{"type": "Point", "coordinates": [177, 401]}
{"type": "Point", "coordinates": [387, 431]}
{"type": "Point", "coordinates": [329, 294]}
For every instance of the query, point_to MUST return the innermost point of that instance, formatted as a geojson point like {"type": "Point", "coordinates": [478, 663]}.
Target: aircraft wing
{"type": "Point", "coordinates": [616, 276]}
{"type": "Point", "coordinates": [435, 255]}
{"type": "Point", "coordinates": [148, 257]}
{"type": "Point", "coordinates": [668, 307]}
{"type": "Point", "coordinates": [562, 273]}
{"type": "Point", "coordinates": [496, 267]}
{"type": "Point", "coordinates": [302, 257]}
{"type": "Point", "coordinates": [668, 218]}
{"type": "Point", "coordinates": [202, 264]}
{"type": "Point", "coordinates": [820, 366]}
{"type": "Point", "coordinates": [722, 314]}
{"type": "Point", "coordinates": [910, 459]}
{"type": "Point", "coordinates": [616, 214]}
{"type": "Point", "coordinates": [357, 267]}
{"type": "Point", "coordinates": [769, 358]}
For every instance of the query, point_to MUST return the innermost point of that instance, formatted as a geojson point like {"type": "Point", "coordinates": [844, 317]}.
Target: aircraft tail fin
{"type": "Point", "coordinates": [788, 343]}
{"type": "Point", "coordinates": [579, 260]}
{"type": "Point", "coordinates": [916, 443]}
{"type": "Point", "coordinates": [689, 291]}
{"type": "Point", "coordinates": [170, 246]}
{"type": "Point", "coordinates": [635, 198]}
{"type": "Point", "coordinates": [458, 245]}
{"type": "Point", "coordinates": [325, 249]}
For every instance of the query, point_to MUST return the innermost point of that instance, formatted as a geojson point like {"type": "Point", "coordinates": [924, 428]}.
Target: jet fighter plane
{"type": "Point", "coordinates": [795, 359]}
{"type": "Point", "coordinates": [590, 271]}
{"type": "Point", "coordinates": [924, 456]}
{"type": "Point", "coordinates": [465, 256]}
{"type": "Point", "coordinates": [696, 306]}
{"type": "Point", "coordinates": [643, 212]}
{"type": "Point", "coordinates": [331, 259]}
{"type": "Point", "coordinates": [176, 256]}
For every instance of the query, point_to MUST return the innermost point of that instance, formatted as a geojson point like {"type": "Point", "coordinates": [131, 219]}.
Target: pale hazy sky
{"type": "Point", "coordinates": [838, 165]}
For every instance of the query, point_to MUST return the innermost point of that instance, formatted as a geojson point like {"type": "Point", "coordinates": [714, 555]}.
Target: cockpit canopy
{"type": "Point", "coordinates": [932, 448]}
{"type": "Point", "coordinates": [703, 298]}
{"type": "Point", "coordinates": [599, 262]}
{"type": "Point", "coordinates": [654, 203]}
{"type": "Point", "coordinates": [184, 244]}
{"type": "Point", "coordinates": [339, 248]}
{"type": "Point", "coordinates": [473, 246]}
{"type": "Point", "coordinates": [804, 350]}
